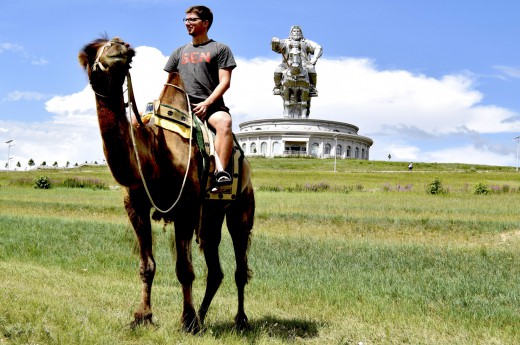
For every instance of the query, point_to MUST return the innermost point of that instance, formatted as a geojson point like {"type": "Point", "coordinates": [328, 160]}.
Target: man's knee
{"type": "Point", "coordinates": [221, 121]}
{"type": "Point", "coordinates": [280, 68]}
{"type": "Point", "coordinates": [311, 69]}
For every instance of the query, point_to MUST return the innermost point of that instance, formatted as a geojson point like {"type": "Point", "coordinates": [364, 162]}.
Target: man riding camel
{"type": "Point", "coordinates": [205, 67]}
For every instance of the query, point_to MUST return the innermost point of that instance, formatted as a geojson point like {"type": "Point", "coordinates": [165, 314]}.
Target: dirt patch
{"type": "Point", "coordinates": [510, 236]}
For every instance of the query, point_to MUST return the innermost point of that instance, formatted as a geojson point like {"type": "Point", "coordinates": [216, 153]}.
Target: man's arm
{"type": "Point", "coordinates": [316, 51]}
{"type": "Point", "coordinates": [224, 78]}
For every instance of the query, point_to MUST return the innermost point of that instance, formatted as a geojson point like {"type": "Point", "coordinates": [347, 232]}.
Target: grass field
{"type": "Point", "coordinates": [363, 254]}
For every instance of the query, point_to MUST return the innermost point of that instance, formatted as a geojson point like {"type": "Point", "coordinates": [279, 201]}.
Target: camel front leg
{"type": "Point", "coordinates": [140, 219]}
{"type": "Point", "coordinates": [186, 276]}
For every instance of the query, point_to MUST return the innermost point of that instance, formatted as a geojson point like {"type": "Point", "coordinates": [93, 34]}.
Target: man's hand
{"type": "Point", "coordinates": [201, 110]}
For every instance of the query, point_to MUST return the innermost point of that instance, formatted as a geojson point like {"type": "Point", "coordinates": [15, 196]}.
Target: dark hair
{"type": "Point", "coordinates": [203, 12]}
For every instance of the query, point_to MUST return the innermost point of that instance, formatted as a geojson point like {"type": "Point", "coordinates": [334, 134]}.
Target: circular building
{"type": "Point", "coordinates": [302, 137]}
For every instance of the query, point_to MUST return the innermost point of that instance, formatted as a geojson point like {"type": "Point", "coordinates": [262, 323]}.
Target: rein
{"type": "Point", "coordinates": [133, 107]}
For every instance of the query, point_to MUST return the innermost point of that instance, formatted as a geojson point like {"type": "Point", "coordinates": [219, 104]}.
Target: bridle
{"type": "Point", "coordinates": [98, 65]}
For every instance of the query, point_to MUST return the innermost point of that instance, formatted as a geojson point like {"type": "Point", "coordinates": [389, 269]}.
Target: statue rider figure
{"type": "Point", "coordinates": [306, 47]}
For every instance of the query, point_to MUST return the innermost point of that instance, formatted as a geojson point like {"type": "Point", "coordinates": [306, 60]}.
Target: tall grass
{"type": "Point", "coordinates": [329, 267]}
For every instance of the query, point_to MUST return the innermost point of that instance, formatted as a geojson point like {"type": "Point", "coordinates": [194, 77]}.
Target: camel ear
{"type": "Point", "coordinates": [83, 59]}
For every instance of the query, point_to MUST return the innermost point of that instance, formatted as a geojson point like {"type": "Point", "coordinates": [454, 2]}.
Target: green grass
{"type": "Point", "coordinates": [359, 261]}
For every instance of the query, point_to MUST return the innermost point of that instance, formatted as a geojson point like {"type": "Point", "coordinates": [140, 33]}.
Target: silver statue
{"type": "Point", "coordinates": [295, 78]}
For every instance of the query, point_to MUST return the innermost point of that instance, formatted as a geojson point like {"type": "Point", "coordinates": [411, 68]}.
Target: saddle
{"type": "Point", "coordinates": [178, 121]}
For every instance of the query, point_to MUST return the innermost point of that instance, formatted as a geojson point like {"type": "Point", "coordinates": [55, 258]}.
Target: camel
{"type": "Point", "coordinates": [171, 169]}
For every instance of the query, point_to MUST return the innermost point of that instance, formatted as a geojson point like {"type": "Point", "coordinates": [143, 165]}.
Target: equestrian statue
{"type": "Point", "coordinates": [295, 77]}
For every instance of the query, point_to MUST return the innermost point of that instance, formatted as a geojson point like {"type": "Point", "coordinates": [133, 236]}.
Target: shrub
{"type": "Point", "coordinates": [406, 188]}
{"type": "Point", "coordinates": [84, 183]}
{"type": "Point", "coordinates": [308, 187]}
{"type": "Point", "coordinates": [42, 182]}
{"type": "Point", "coordinates": [270, 188]}
{"type": "Point", "coordinates": [481, 188]}
{"type": "Point", "coordinates": [387, 187]}
{"type": "Point", "coordinates": [22, 182]}
{"type": "Point", "coordinates": [436, 187]}
{"type": "Point", "coordinates": [311, 187]}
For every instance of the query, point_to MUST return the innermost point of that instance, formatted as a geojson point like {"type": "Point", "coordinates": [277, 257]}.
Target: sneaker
{"type": "Point", "coordinates": [222, 178]}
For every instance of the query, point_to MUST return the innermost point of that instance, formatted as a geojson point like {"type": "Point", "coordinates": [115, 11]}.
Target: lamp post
{"type": "Point", "coordinates": [517, 148]}
{"type": "Point", "coordinates": [335, 150]}
{"type": "Point", "coordinates": [8, 142]}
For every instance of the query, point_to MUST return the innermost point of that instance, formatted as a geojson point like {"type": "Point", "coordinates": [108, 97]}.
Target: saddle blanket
{"type": "Point", "coordinates": [180, 122]}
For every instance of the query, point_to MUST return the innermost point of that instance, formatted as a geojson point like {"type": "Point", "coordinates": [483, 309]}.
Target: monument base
{"type": "Point", "coordinates": [302, 137]}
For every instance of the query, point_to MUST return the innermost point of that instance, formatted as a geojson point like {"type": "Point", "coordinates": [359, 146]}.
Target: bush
{"type": "Point", "coordinates": [84, 183]}
{"type": "Point", "coordinates": [436, 187]}
{"type": "Point", "coordinates": [22, 182]}
{"type": "Point", "coordinates": [42, 182]}
{"type": "Point", "coordinates": [481, 188]}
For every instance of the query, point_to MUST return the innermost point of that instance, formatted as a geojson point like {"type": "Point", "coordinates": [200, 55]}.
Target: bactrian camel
{"type": "Point", "coordinates": [171, 170]}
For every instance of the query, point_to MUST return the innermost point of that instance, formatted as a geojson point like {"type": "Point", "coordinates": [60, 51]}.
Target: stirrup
{"type": "Point", "coordinates": [223, 178]}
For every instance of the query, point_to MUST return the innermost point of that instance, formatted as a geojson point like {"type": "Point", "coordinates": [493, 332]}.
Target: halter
{"type": "Point", "coordinates": [98, 66]}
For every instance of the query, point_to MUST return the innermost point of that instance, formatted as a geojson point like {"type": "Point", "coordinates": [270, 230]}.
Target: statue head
{"type": "Point", "coordinates": [296, 33]}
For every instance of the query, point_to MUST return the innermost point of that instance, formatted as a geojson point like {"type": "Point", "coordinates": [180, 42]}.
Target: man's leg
{"type": "Point", "coordinates": [277, 83]}
{"type": "Point", "coordinates": [221, 122]}
{"type": "Point", "coordinates": [313, 78]}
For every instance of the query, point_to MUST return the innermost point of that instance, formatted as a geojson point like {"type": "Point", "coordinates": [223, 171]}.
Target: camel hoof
{"type": "Point", "coordinates": [241, 322]}
{"type": "Point", "coordinates": [191, 324]}
{"type": "Point", "coordinates": [141, 319]}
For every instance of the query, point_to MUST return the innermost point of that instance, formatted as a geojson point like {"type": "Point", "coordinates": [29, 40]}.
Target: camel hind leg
{"type": "Point", "coordinates": [210, 237]}
{"type": "Point", "coordinates": [138, 213]}
{"type": "Point", "coordinates": [185, 274]}
{"type": "Point", "coordinates": [239, 220]}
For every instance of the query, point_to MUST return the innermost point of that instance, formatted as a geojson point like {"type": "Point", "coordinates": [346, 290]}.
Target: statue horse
{"type": "Point", "coordinates": [161, 169]}
{"type": "Point", "coordinates": [295, 88]}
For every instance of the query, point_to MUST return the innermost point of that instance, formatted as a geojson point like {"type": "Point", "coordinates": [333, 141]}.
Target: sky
{"type": "Point", "coordinates": [428, 81]}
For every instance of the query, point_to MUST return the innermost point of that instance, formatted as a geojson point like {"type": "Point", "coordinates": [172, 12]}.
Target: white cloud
{"type": "Point", "coordinates": [25, 96]}
{"type": "Point", "coordinates": [393, 107]}
{"type": "Point", "coordinates": [355, 91]}
{"type": "Point", "coordinates": [6, 46]}
{"type": "Point", "coordinates": [509, 71]}
{"type": "Point", "coordinates": [467, 154]}
{"type": "Point", "coordinates": [39, 61]}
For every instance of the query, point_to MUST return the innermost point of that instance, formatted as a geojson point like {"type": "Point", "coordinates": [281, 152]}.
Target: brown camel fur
{"type": "Point", "coordinates": [164, 156]}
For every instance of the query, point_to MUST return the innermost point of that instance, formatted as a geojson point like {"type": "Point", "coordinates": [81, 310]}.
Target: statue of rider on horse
{"type": "Point", "coordinates": [295, 78]}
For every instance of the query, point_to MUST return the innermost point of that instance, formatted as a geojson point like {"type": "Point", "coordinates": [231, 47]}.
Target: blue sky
{"type": "Point", "coordinates": [435, 81]}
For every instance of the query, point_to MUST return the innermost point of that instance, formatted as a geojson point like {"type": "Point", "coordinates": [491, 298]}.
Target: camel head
{"type": "Point", "coordinates": [107, 63]}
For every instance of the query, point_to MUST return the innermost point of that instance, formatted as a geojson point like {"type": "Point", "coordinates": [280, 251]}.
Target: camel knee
{"type": "Point", "coordinates": [242, 276]}
{"type": "Point", "coordinates": [215, 278]}
{"type": "Point", "coordinates": [185, 275]}
{"type": "Point", "coordinates": [147, 270]}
